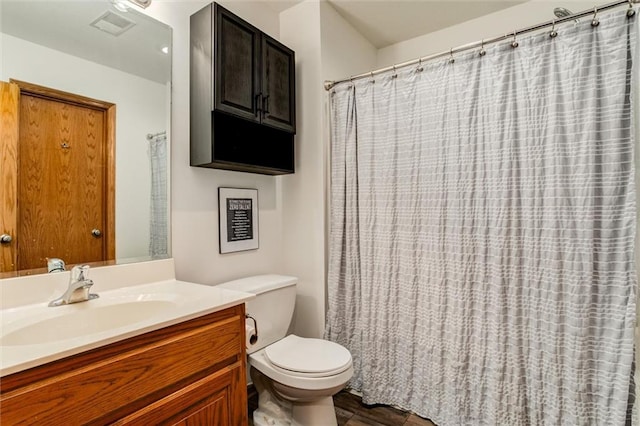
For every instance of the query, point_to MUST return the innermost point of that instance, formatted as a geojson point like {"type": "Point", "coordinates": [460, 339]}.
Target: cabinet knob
{"type": "Point", "coordinates": [96, 233]}
{"type": "Point", "coordinates": [5, 239]}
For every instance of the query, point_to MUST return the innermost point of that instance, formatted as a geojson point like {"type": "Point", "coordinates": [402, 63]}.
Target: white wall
{"type": "Point", "coordinates": [138, 112]}
{"type": "Point", "coordinates": [344, 51]}
{"type": "Point", "coordinates": [303, 192]}
{"type": "Point", "coordinates": [488, 26]}
{"type": "Point", "coordinates": [194, 191]}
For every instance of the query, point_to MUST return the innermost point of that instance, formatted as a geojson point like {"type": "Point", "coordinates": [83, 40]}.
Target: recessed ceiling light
{"type": "Point", "coordinates": [112, 23]}
{"type": "Point", "coordinates": [165, 50]}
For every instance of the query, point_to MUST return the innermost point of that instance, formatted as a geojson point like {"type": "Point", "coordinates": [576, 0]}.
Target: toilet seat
{"type": "Point", "coordinates": [306, 357]}
{"type": "Point", "coordinates": [336, 373]}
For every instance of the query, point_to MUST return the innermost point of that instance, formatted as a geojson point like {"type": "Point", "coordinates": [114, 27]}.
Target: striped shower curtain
{"type": "Point", "coordinates": [481, 266]}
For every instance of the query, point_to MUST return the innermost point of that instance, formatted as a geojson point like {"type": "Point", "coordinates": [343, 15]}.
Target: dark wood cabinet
{"type": "Point", "coordinates": [278, 85]}
{"type": "Point", "coordinates": [242, 95]}
{"type": "Point", "coordinates": [237, 65]}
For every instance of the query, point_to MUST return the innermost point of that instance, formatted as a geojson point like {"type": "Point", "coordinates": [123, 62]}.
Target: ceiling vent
{"type": "Point", "coordinates": [112, 23]}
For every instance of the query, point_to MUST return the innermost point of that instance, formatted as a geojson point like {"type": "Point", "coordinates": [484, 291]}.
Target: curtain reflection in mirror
{"type": "Point", "coordinates": [158, 238]}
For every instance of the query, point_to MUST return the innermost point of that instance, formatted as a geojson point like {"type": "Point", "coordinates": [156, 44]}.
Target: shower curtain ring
{"type": "Point", "coordinates": [372, 79]}
{"type": "Point", "coordinates": [553, 32]}
{"type": "Point", "coordinates": [419, 69]}
{"type": "Point", "coordinates": [395, 74]}
{"type": "Point", "coordinates": [514, 43]}
{"type": "Point", "coordinates": [482, 51]}
{"type": "Point", "coordinates": [451, 59]}
{"type": "Point", "coordinates": [594, 21]}
{"type": "Point", "coordinates": [630, 11]}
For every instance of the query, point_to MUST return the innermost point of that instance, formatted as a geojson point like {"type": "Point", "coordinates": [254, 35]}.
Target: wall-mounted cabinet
{"type": "Point", "coordinates": [242, 96]}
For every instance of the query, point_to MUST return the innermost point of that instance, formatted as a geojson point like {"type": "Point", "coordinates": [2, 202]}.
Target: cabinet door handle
{"type": "Point", "coordinates": [258, 103]}
{"type": "Point", "coordinates": [265, 104]}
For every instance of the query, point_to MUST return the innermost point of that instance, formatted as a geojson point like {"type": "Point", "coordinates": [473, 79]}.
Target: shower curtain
{"type": "Point", "coordinates": [481, 262]}
{"type": "Point", "coordinates": [159, 228]}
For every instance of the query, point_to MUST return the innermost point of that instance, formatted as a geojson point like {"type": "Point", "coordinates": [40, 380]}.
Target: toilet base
{"type": "Point", "coordinates": [276, 410]}
{"type": "Point", "coordinates": [317, 413]}
{"type": "Point", "coordinates": [272, 410]}
{"type": "Point", "coordinates": [271, 413]}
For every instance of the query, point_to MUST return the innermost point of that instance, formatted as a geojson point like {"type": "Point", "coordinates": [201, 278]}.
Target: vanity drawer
{"type": "Point", "coordinates": [209, 401]}
{"type": "Point", "coordinates": [109, 383]}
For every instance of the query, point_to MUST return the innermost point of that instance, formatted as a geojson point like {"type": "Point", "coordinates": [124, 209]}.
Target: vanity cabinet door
{"type": "Point", "coordinates": [237, 83]}
{"type": "Point", "coordinates": [213, 400]}
{"type": "Point", "coordinates": [278, 85]}
{"type": "Point", "coordinates": [175, 375]}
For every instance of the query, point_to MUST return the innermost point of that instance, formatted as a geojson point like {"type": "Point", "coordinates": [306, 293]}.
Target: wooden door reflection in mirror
{"type": "Point", "coordinates": [65, 179]}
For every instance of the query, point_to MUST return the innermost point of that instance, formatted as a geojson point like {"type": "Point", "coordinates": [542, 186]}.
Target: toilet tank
{"type": "Point", "coordinates": [272, 307]}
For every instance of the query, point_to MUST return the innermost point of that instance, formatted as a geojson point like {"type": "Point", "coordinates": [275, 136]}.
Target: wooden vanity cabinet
{"type": "Point", "coordinates": [192, 373]}
{"type": "Point", "coordinates": [205, 402]}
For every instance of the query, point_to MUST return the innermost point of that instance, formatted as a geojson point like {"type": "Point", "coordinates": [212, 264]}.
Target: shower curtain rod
{"type": "Point", "coordinates": [153, 135]}
{"type": "Point", "coordinates": [328, 84]}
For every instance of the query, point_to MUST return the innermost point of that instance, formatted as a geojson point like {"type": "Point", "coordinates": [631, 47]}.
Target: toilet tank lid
{"type": "Point", "coordinates": [260, 283]}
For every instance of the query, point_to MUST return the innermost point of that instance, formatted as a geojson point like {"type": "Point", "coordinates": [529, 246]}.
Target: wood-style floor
{"type": "Point", "coordinates": [350, 411]}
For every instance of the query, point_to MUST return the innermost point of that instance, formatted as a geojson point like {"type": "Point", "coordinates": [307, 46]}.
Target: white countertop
{"type": "Point", "coordinates": [34, 334]}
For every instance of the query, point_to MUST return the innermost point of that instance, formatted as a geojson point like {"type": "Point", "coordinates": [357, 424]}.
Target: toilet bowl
{"type": "Point", "coordinates": [299, 377]}
{"type": "Point", "coordinates": [296, 377]}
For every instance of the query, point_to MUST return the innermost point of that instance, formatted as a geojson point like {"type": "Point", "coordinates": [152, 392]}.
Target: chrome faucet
{"type": "Point", "coordinates": [79, 286]}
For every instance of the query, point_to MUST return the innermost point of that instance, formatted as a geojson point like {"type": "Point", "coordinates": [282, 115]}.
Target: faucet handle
{"type": "Point", "coordinates": [55, 265]}
{"type": "Point", "coordinates": [79, 272]}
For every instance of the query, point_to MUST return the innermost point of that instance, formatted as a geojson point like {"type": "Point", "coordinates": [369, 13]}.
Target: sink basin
{"type": "Point", "coordinates": [84, 320]}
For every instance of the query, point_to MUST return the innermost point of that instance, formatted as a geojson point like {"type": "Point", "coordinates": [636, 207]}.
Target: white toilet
{"type": "Point", "coordinates": [295, 377]}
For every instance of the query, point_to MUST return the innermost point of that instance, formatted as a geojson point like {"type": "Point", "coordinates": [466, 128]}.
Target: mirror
{"type": "Point", "coordinates": [109, 52]}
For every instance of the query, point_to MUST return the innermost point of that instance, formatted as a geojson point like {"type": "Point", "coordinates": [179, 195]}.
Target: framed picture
{"type": "Point", "coordinates": [238, 219]}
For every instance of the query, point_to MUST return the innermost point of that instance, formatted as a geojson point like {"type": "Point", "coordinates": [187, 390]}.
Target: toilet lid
{"type": "Point", "coordinates": [306, 355]}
